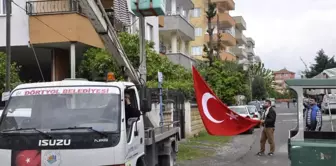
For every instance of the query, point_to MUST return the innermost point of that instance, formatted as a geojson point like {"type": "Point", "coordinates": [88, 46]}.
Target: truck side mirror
{"type": "Point", "coordinates": [146, 106]}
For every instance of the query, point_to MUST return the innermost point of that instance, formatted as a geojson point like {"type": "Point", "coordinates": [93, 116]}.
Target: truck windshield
{"type": "Point", "coordinates": [63, 107]}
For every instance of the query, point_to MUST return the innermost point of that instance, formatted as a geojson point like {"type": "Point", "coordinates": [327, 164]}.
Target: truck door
{"type": "Point", "coordinates": [135, 132]}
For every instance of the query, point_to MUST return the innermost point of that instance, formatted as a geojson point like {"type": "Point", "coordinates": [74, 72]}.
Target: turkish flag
{"type": "Point", "coordinates": [28, 158]}
{"type": "Point", "coordinates": [217, 118]}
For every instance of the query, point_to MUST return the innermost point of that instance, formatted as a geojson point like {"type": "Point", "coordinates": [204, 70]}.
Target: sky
{"type": "Point", "coordinates": [285, 30]}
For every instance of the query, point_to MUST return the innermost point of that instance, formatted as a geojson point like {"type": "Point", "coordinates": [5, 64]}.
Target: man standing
{"type": "Point", "coordinates": [268, 123]}
{"type": "Point", "coordinates": [313, 117]}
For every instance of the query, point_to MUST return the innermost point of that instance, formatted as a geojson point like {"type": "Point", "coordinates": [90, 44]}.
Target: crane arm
{"type": "Point", "coordinates": [95, 11]}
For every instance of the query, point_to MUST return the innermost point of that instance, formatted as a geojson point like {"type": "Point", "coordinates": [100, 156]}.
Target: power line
{"type": "Point", "coordinates": [41, 21]}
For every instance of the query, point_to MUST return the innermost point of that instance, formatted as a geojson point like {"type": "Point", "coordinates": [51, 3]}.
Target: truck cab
{"type": "Point", "coordinates": [72, 122]}
{"type": "Point", "coordinates": [311, 148]}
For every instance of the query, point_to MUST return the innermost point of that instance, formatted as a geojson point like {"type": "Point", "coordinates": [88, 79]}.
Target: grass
{"type": "Point", "coordinates": [204, 145]}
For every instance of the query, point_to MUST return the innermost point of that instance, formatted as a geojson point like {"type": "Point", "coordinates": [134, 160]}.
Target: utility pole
{"type": "Point", "coordinates": [8, 43]}
{"type": "Point", "coordinates": [142, 67]}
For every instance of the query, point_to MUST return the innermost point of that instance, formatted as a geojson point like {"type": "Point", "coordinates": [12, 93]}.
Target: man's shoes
{"type": "Point", "coordinates": [260, 153]}
{"type": "Point", "coordinates": [271, 154]}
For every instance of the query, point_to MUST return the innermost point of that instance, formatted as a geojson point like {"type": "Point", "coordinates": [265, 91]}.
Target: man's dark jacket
{"type": "Point", "coordinates": [270, 118]}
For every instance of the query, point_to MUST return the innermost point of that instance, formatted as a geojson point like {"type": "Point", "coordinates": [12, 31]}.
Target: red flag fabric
{"type": "Point", "coordinates": [28, 158]}
{"type": "Point", "coordinates": [217, 118]}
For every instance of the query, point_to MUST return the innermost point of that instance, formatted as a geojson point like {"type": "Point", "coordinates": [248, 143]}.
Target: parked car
{"type": "Point", "coordinates": [256, 115]}
{"type": "Point", "coordinates": [242, 110]}
{"type": "Point", "coordinates": [257, 104]}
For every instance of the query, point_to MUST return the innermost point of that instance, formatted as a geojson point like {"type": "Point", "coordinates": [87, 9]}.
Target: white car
{"type": "Point", "coordinates": [244, 112]}
{"type": "Point", "coordinates": [255, 114]}
{"type": "Point", "coordinates": [253, 110]}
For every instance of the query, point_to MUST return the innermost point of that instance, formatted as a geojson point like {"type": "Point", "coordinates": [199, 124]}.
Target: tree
{"type": "Point", "coordinates": [322, 62]}
{"type": "Point", "coordinates": [99, 62]}
{"type": "Point", "coordinates": [226, 79]}
{"type": "Point", "coordinates": [259, 70]}
{"type": "Point", "coordinates": [210, 14]}
{"type": "Point", "coordinates": [15, 69]}
{"type": "Point", "coordinates": [259, 88]}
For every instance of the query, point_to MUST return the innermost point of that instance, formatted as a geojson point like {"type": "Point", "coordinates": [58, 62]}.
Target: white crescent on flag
{"type": "Point", "coordinates": [206, 96]}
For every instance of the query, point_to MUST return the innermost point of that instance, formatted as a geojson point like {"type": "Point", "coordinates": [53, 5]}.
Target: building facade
{"type": "Point", "coordinates": [225, 26]}
{"type": "Point", "coordinates": [50, 33]}
{"type": "Point", "coordinates": [280, 77]}
{"type": "Point", "coordinates": [177, 32]}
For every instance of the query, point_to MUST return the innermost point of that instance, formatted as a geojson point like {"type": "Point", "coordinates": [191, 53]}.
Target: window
{"type": "Point", "coordinates": [86, 106]}
{"type": "Point", "coordinates": [149, 32]}
{"type": "Point", "coordinates": [198, 31]}
{"type": "Point", "coordinates": [197, 50]}
{"type": "Point", "coordinates": [197, 12]}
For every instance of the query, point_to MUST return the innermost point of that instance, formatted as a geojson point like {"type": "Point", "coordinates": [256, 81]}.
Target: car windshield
{"type": "Point", "coordinates": [252, 109]}
{"type": "Point", "coordinates": [63, 107]}
{"type": "Point", "coordinates": [239, 110]}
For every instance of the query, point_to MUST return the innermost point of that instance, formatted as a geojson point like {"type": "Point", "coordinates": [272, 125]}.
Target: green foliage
{"type": "Point", "coordinates": [97, 62]}
{"type": "Point", "coordinates": [322, 62]}
{"type": "Point", "coordinates": [226, 79]}
{"type": "Point", "coordinates": [259, 88]}
{"type": "Point", "coordinates": [259, 70]}
{"type": "Point", "coordinates": [15, 69]}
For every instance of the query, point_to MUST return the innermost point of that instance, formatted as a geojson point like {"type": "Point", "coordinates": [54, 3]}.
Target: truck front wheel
{"type": "Point", "coordinates": [168, 160]}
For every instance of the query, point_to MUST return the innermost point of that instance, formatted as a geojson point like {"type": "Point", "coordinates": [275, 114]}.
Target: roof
{"type": "Point", "coordinates": [331, 73]}
{"type": "Point", "coordinates": [80, 82]}
{"type": "Point", "coordinates": [284, 70]}
{"type": "Point", "coordinates": [317, 83]}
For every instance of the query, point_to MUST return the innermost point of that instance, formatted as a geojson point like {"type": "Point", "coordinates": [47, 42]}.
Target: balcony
{"type": "Point", "coordinates": [44, 7]}
{"type": "Point", "coordinates": [241, 39]}
{"type": "Point", "coordinates": [227, 56]}
{"type": "Point", "coordinates": [226, 38]}
{"type": "Point", "coordinates": [225, 21]}
{"type": "Point", "coordinates": [60, 21]}
{"type": "Point", "coordinates": [223, 5]}
{"type": "Point", "coordinates": [181, 59]}
{"type": "Point", "coordinates": [239, 52]}
{"type": "Point", "coordinates": [176, 21]}
{"type": "Point", "coordinates": [161, 21]}
{"type": "Point", "coordinates": [240, 23]}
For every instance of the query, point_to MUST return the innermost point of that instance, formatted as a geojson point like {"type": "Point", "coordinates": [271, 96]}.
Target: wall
{"type": "Point", "coordinates": [19, 26]}
{"type": "Point", "coordinates": [193, 121]}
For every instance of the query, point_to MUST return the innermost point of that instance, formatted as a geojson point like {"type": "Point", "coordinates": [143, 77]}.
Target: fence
{"type": "Point", "coordinates": [43, 7]}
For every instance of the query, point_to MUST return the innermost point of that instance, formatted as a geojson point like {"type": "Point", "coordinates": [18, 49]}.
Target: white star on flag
{"type": "Point", "coordinates": [28, 160]}
{"type": "Point", "coordinates": [232, 115]}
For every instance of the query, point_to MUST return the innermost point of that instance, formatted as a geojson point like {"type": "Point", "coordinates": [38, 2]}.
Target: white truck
{"type": "Point", "coordinates": [79, 122]}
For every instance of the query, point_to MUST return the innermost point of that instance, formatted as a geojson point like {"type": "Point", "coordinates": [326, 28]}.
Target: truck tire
{"type": "Point", "coordinates": [168, 160]}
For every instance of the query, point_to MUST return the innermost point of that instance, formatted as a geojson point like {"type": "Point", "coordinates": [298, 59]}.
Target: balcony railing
{"type": "Point", "coordinates": [43, 7]}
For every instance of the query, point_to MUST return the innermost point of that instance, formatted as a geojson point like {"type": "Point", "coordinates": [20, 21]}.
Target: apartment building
{"type": "Point", "coordinates": [280, 77]}
{"type": "Point", "coordinates": [240, 49]}
{"type": "Point", "coordinates": [177, 32]}
{"type": "Point", "coordinates": [226, 28]}
{"type": "Point", "coordinates": [54, 31]}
